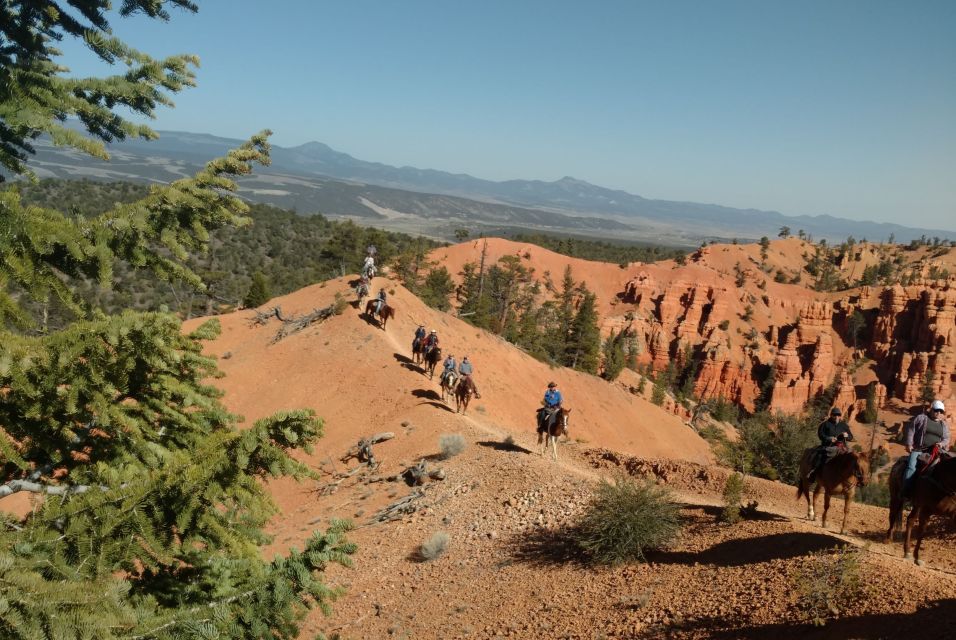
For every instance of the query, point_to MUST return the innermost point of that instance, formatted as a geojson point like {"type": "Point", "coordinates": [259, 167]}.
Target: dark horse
{"type": "Point", "coordinates": [417, 352]}
{"type": "Point", "coordinates": [431, 359]}
{"type": "Point", "coordinates": [383, 315]}
{"type": "Point", "coordinates": [841, 474]}
{"type": "Point", "coordinates": [933, 493]}
{"type": "Point", "coordinates": [463, 393]}
{"type": "Point", "coordinates": [556, 424]}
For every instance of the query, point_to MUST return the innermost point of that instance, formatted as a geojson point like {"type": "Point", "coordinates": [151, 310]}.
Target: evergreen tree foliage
{"type": "Point", "coordinates": [36, 97]}
{"type": "Point", "coordinates": [259, 291]}
{"type": "Point", "coordinates": [437, 287]}
{"type": "Point", "coordinates": [615, 354]}
{"type": "Point", "coordinates": [871, 411]}
{"type": "Point", "coordinates": [584, 342]}
{"type": "Point", "coordinates": [291, 251]}
{"type": "Point", "coordinates": [150, 506]}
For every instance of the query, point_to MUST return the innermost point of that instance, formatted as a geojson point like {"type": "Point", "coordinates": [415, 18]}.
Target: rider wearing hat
{"type": "Point", "coordinates": [923, 433]}
{"type": "Point", "coordinates": [431, 341]}
{"type": "Point", "coordinates": [380, 301]}
{"type": "Point", "coordinates": [465, 370]}
{"type": "Point", "coordinates": [831, 432]}
{"type": "Point", "coordinates": [552, 402]}
{"type": "Point", "coordinates": [448, 367]}
{"type": "Point", "coordinates": [419, 336]}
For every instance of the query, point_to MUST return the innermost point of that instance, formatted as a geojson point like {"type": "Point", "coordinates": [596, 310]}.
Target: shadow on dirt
{"type": "Point", "coordinates": [426, 394]}
{"type": "Point", "coordinates": [503, 446]}
{"type": "Point", "coordinates": [550, 547]}
{"type": "Point", "coordinates": [407, 362]}
{"type": "Point", "coordinates": [745, 551]}
{"type": "Point", "coordinates": [933, 621]}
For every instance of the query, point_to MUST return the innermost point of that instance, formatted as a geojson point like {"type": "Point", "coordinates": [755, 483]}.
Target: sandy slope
{"type": "Point", "coordinates": [508, 571]}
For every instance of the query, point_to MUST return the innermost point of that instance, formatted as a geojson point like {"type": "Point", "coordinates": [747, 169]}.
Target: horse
{"type": "Point", "coordinates": [361, 291]}
{"type": "Point", "coordinates": [841, 474]}
{"type": "Point", "coordinates": [463, 393]}
{"type": "Point", "coordinates": [383, 315]}
{"type": "Point", "coordinates": [431, 359]}
{"type": "Point", "coordinates": [555, 425]}
{"type": "Point", "coordinates": [369, 273]}
{"type": "Point", "coordinates": [933, 493]}
{"type": "Point", "coordinates": [417, 354]}
{"type": "Point", "coordinates": [448, 382]}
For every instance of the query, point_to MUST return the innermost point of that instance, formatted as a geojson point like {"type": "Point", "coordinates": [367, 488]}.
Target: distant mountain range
{"type": "Point", "coordinates": [313, 177]}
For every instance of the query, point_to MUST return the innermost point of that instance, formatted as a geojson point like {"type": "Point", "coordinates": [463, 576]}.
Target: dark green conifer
{"type": "Point", "coordinates": [150, 511]}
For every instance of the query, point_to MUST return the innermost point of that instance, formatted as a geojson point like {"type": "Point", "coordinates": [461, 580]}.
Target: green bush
{"type": "Point", "coordinates": [875, 493]}
{"type": "Point", "coordinates": [733, 494]}
{"type": "Point", "coordinates": [829, 583]}
{"type": "Point", "coordinates": [626, 519]}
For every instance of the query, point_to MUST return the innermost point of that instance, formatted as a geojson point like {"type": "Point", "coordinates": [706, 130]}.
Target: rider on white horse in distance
{"type": "Point", "coordinates": [368, 267]}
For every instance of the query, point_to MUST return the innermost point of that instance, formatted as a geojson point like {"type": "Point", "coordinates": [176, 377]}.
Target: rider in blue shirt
{"type": "Point", "coordinates": [448, 367]}
{"type": "Point", "coordinates": [465, 370]}
{"type": "Point", "coordinates": [552, 402]}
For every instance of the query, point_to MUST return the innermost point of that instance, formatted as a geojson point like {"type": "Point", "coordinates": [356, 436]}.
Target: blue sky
{"type": "Point", "coordinates": [840, 107]}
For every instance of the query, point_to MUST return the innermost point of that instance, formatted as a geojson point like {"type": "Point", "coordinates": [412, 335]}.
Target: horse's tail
{"type": "Point", "coordinates": [803, 488]}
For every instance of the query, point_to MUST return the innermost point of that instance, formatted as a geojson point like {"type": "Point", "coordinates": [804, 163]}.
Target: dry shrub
{"type": "Point", "coordinates": [450, 445]}
{"type": "Point", "coordinates": [829, 583]}
{"type": "Point", "coordinates": [434, 547]}
{"type": "Point", "coordinates": [626, 519]}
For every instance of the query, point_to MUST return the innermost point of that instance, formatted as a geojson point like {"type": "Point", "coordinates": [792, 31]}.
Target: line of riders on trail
{"type": "Point", "coordinates": [925, 476]}
{"type": "Point", "coordinates": [927, 439]}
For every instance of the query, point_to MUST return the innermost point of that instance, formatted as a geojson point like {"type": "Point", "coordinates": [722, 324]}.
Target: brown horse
{"type": "Point", "coordinates": [448, 383]}
{"type": "Point", "coordinates": [841, 474]}
{"type": "Point", "coordinates": [383, 315]}
{"type": "Point", "coordinates": [417, 354]}
{"type": "Point", "coordinates": [934, 493]}
{"type": "Point", "coordinates": [431, 359]}
{"type": "Point", "coordinates": [463, 393]}
{"type": "Point", "coordinates": [555, 425]}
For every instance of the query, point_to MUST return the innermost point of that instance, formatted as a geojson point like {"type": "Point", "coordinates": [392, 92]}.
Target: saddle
{"type": "Point", "coordinates": [928, 460]}
{"type": "Point", "coordinates": [545, 416]}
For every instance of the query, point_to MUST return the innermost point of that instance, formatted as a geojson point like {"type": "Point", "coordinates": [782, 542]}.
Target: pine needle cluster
{"type": "Point", "coordinates": [149, 506]}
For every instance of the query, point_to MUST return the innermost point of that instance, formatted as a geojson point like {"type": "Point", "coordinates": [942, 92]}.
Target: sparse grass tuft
{"type": "Point", "coordinates": [450, 445]}
{"type": "Point", "coordinates": [510, 440]}
{"type": "Point", "coordinates": [434, 547]}
{"type": "Point", "coordinates": [829, 583]}
{"type": "Point", "coordinates": [626, 519]}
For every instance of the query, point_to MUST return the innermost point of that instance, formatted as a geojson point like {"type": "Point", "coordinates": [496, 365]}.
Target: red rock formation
{"type": "Point", "coordinates": [815, 318]}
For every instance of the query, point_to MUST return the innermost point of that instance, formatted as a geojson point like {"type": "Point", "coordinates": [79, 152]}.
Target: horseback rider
{"type": "Point", "coordinates": [448, 367]}
{"type": "Point", "coordinates": [362, 289]}
{"type": "Point", "coordinates": [833, 433]}
{"type": "Point", "coordinates": [368, 267]}
{"type": "Point", "coordinates": [923, 433]}
{"type": "Point", "coordinates": [419, 336]}
{"type": "Point", "coordinates": [551, 404]}
{"type": "Point", "coordinates": [380, 301]}
{"type": "Point", "coordinates": [431, 341]}
{"type": "Point", "coordinates": [465, 370]}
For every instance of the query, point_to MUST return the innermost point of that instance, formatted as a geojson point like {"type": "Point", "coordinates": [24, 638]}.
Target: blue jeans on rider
{"type": "Point", "coordinates": [911, 467]}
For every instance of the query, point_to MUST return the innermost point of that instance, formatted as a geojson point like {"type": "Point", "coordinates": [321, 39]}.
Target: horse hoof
{"type": "Point", "coordinates": [920, 563]}
{"type": "Point", "coordinates": [908, 556]}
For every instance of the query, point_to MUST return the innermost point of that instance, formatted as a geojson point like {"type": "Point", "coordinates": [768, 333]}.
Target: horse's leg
{"type": "Point", "coordinates": [910, 519]}
{"type": "Point", "coordinates": [554, 447]}
{"type": "Point", "coordinates": [826, 507]}
{"type": "Point", "coordinates": [896, 506]}
{"type": "Point", "coordinates": [848, 498]}
{"type": "Point", "coordinates": [924, 516]}
{"type": "Point", "coordinates": [812, 514]}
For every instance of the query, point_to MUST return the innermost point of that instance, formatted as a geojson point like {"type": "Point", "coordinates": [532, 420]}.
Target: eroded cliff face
{"type": "Point", "coordinates": [910, 333]}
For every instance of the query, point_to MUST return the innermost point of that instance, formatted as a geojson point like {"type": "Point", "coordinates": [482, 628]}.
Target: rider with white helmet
{"type": "Point", "coordinates": [923, 433]}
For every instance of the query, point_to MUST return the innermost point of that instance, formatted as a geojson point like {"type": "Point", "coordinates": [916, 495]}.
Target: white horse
{"type": "Point", "coordinates": [555, 425]}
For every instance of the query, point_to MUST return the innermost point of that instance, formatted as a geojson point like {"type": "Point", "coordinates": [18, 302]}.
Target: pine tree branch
{"type": "Point", "coordinates": [15, 486]}
{"type": "Point", "coordinates": [180, 620]}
